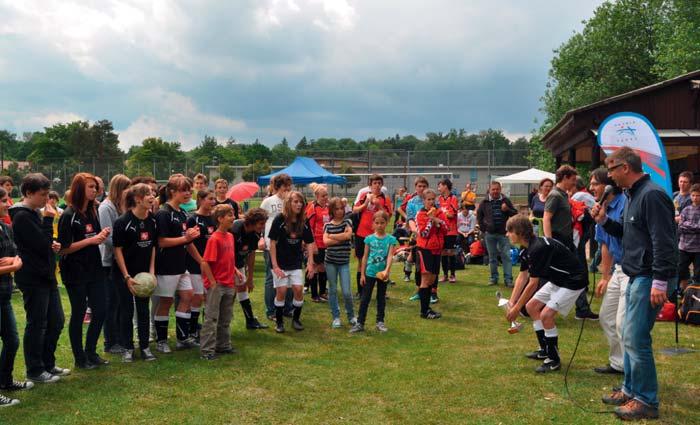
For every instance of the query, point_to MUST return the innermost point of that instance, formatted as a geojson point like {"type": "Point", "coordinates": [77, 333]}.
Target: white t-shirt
{"type": "Point", "coordinates": [273, 205]}
{"type": "Point", "coordinates": [366, 189]}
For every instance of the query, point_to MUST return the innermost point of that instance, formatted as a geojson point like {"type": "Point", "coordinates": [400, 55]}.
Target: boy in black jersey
{"type": "Point", "coordinates": [246, 233]}
{"type": "Point", "coordinates": [548, 260]}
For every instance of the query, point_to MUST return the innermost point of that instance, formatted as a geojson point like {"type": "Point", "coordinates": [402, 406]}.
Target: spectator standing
{"type": "Point", "coordinates": [469, 197]}
{"type": "Point", "coordinates": [689, 244]}
{"type": "Point", "coordinates": [492, 215]}
{"type": "Point", "coordinates": [681, 199]}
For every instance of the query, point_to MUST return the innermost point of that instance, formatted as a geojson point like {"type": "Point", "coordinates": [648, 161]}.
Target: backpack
{"type": "Point", "coordinates": [476, 249]}
{"type": "Point", "coordinates": [689, 310]}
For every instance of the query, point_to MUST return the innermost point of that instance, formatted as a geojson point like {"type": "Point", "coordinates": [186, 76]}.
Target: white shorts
{"type": "Point", "coordinates": [169, 283]}
{"type": "Point", "coordinates": [197, 283]}
{"type": "Point", "coordinates": [557, 298]}
{"type": "Point", "coordinates": [292, 278]}
{"type": "Point", "coordinates": [239, 283]}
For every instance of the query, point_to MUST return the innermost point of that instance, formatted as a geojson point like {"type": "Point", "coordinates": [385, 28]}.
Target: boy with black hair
{"type": "Point", "coordinates": [550, 261]}
{"type": "Point", "coordinates": [37, 279]}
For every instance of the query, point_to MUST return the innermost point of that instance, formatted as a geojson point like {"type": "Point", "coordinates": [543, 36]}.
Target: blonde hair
{"type": "Point", "coordinates": [318, 188]}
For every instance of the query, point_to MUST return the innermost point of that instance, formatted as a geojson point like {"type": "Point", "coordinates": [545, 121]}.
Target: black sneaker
{"type": "Point", "coordinates": [115, 349]}
{"type": "Point", "coordinates": [588, 316]}
{"type": "Point", "coordinates": [147, 355]}
{"type": "Point", "coordinates": [97, 360]}
{"type": "Point", "coordinates": [296, 324]}
{"type": "Point", "coordinates": [230, 350]}
{"type": "Point", "coordinates": [608, 369]}
{"type": "Point", "coordinates": [85, 365]}
{"type": "Point", "coordinates": [537, 355]}
{"type": "Point", "coordinates": [17, 386]}
{"type": "Point", "coordinates": [7, 401]}
{"type": "Point", "coordinates": [431, 314]}
{"type": "Point", "coordinates": [548, 366]}
{"type": "Point", "coordinates": [59, 371]}
{"type": "Point", "coordinates": [44, 378]}
{"type": "Point", "coordinates": [209, 356]}
{"type": "Point", "coordinates": [254, 323]}
{"type": "Point", "coordinates": [279, 329]}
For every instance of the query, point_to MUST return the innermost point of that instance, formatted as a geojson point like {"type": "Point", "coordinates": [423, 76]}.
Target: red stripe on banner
{"type": "Point", "coordinates": [647, 158]}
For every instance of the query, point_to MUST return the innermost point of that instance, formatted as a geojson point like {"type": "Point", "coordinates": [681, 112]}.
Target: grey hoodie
{"type": "Point", "coordinates": [108, 215]}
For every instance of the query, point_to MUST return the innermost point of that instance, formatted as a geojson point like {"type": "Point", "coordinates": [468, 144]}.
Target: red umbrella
{"type": "Point", "coordinates": [242, 191]}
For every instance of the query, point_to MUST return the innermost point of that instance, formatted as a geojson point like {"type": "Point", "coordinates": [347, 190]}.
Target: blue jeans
{"type": "Point", "coordinates": [640, 371]}
{"type": "Point", "coordinates": [270, 290]}
{"type": "Point", "coordinates": [499, 245]}
{"type": "Point", "coordinates": [340, 272]}
{"type": "Point", "coordinates": [10, 340]}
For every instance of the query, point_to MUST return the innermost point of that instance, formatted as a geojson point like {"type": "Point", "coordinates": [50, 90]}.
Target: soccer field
{"type": "Point", "coordinates": [463, 368]}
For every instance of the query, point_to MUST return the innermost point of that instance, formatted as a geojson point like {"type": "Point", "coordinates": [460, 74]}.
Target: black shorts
{"type": "Point", "coordinates": [428, 262]}
{"type": "Point", "coordinates": [320, 256]}
{"type": "Point", "coordinates": [450, 242]}
{"type": "Point", "coordinates": [359, 247]}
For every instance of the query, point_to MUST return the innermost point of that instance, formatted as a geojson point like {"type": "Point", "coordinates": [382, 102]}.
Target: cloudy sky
{"type": "Point", "coordinates": [269, 69]}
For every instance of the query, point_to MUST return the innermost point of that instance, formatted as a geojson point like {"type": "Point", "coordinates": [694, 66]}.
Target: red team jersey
{"type": "Point", "coordinates": [429, 236]}
{"type": "Point", "coordinates": [317, 217]}
{"type": "Point", "coordinates": [365, 226]}
{"type": "Point", "coordinates": [450, 207]}
{"type": "Point", "coordinates": [219, 255]}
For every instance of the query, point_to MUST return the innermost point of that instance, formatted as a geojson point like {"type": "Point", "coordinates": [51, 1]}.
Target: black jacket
{"type": "Point", "coordinates": [484, 216]}
{"type": "Point", "coordinates": [33, 237]}
{"type": "Point", "coordinates": [648, 233]}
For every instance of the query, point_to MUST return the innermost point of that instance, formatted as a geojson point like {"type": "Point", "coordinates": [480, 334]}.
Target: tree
{"type": "Point", "coordinates": [256, 152]}
{"type": "Point", "coordinates": [345, 168]}
{"type": "Point", "coordinates": [256, 169]}
{"type": "Point", "coordinates": [227, 172]}
{"type": "Point", "coordinates": [539, 156]}
{"type": "Point", "coordinates": [302, 145]}
{"type": "Point", "coordinates": [282, 153]}
{"type": "Point", "coordinates": [154, 157]}
{"type": "Point", "coordinates": [679, 39]}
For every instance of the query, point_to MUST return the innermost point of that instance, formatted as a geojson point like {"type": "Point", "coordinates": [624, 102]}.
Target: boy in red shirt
{"type": "Point", "coordinates": [219, 273]}
{"type": "Point", "coordinates": [432, 228]}
{"type": "Point", "coordinates": [368, 204]}
{"type": "Point", "coordinates": [449, 205]}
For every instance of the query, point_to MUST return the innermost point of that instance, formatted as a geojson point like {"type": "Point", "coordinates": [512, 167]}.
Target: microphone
{"type": "Point", "coordinates": [608, 190]}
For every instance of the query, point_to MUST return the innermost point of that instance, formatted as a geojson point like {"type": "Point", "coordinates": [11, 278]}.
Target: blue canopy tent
{"type": "Point", "coordinates": [303, 171]}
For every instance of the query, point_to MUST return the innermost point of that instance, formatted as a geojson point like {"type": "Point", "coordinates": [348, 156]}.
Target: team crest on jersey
{"type": "Point", "coordinates": [88, 228]}
{"type": "Point", "coordinates": [144, 236]}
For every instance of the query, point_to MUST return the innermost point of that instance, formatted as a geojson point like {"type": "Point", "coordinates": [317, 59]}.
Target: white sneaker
{"type": "Point", "coordinates": [128, 356]}
{"type": "Point", "coordinates": [381, 327]}
{"type": "Point", "coordinates": [353, 321]}
{"type": "Point", "coordinates": [163, 347]}
{"type": "Point", "coordinates": [335, 324]}
{"type": "Point", "coordinates": [7, 401]}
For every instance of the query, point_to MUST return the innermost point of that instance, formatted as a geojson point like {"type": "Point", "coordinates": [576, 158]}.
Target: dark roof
{"type": "Point", "coordinates": [653, 87]}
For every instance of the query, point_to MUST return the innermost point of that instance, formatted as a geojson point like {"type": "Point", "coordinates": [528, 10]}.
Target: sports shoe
{"type": "Point", "coordinates": [353, 321]}
{"type": "Point", "coordinates": [17, 386]}
{"type": "Point", "coordinates": [115, 349]}
{"type": "Point", "coordinates": [7, 401]}
{"type": "Point", "coordinates": [443, 280]}
{"type": "Point", "coordinates": [316, 299]}
{"type": "Point", "coordinates": [588, 316]}
{"type": "Point", "coordinates": [97, 360]}
{"type": "Point", "coordinates": [323, 297]}
{"type": "Point", "coordinates": [335, 324]}
{"type": "Point", "coordinates": [548, 366]}
{"type": "Point", "coordinates": [59, 371]}
{"type": "Point", "coordinates": [44, 378]}
{"type": "Point", "coordinates": [453, 279]}
{"type": "Point", "coordinates": [128, 356]}
{"type": "Point", "coordinates": [254, 323]}
{"type": "Point", "coordinates": [635, 410]}
{"type": "Point", "coordinates": [163, 347]}
{"type": "Point", "coordinates": [85, 366]}
{"type": "Point", "coordinates": [357, 328]}
{"type": "Point", "coordinates": [434, 298]}
{"type": "Point", "coordinates": [431, 314]}
{"type": "Point", "coordinates": [186, 344]}
{"type": "Point", "coordinates": [493, 283]}
{"type": "Point", "coordinates": [616, 398]}
{"type": "Point", "coordinates": [537, 355]}
{"type": "Point", "coordinates": [381, 327]}
{"type": "Point", "coordinates": [414, 297]}
{"type": "Point", "coordinates": [296, 324]}
{"type": "Point", "coordinates": [279, 329]}
{"type": "Point", "coordinates": [147, 355]}
{"type": "Point", "coordinates": [608, 369]}
{"type": "Point", "coordinates": [208, 356]}
{"type": "Point", "coordinates": [229, 350]}
{"type": "Point", "coordinates": [407, 278]}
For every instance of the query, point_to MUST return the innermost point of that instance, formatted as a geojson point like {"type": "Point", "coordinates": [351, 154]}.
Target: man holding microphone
{"type": "Point", "coordinates": [650, 259]}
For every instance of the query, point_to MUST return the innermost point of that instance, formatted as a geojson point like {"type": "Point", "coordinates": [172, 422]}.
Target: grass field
{"type": "Point", "coordinates": [463, 368]}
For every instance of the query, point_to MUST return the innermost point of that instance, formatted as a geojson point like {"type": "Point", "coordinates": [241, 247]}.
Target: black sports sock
{"type": "Point", "coordinates": [313, 286]}
{"type": "Point", "coordinates": [424, 294]}
{"type": "Point", "coordinates": [247, 308]}
{"type": "Point", "coordinates": [553, 348]}
{"type": "Point", "coordinates": [194, 322]}
{"type": "Point", "coordinates": [359, 287]}
{"type": "Point", "coordinates": [279, 315]}
{"type": "Point", "coordinates": [542, 340]}
{"type": "Point", "coordinates": [322, 279]}
{"type": "Point", "coordinates": [453, 264]}
{"type": "Point", "coordinates": [161, 329]}
{"type": "Point", "coordinates": [182, 327]}
{"type": "Point", "coordinates": [445, 264]}
{"type": "Point", "coordinates": [297, 313]}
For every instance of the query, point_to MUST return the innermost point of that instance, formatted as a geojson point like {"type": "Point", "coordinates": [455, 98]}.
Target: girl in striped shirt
{"type": "Point", "coordinates": [337, 235]}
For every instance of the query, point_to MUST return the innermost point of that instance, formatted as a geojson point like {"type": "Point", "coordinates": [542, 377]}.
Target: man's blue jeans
{"type": "Point", "coordinates": [339, 272]}
{"type": "Point", "coordinates": [499, 245]}
{"type": "Point", "coordinates": [640, 371]}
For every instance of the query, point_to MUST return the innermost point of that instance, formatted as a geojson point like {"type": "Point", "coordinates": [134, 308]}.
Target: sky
{"type": "Point", "coordinates": [268, 69]}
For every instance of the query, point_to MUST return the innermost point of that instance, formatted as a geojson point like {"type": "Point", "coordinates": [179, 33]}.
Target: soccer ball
{"type": "Point", "coordinates": [145, 284]}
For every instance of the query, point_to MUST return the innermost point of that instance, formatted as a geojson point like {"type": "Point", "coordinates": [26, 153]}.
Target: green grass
{"type": "Point", "coordinates": [463, 368]}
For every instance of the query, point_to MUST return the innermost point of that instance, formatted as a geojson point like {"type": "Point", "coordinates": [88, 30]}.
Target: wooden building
{"type": "Point", "coordinates": [672, 106]}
